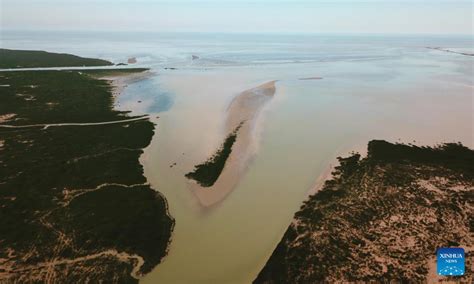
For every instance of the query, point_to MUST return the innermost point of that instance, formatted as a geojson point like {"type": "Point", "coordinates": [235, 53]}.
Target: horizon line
{"type": "Point", "coordinates": [231, 32]}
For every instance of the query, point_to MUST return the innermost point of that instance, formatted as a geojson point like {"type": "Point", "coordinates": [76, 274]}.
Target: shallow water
{"type": "Point", "coordinates": [373, 87]}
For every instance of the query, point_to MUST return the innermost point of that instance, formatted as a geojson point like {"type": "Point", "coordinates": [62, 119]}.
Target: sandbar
{"type": "Point", "coordinates": [244, 108]}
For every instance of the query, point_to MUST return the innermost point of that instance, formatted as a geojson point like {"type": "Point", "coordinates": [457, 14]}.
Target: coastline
{"type": "Point", "coordinates": [80, 203]}
{"type": "Point", "coordinates": [331, 163]}
{"type": "Point", "coordinates": [119, 83]}
{"type": "Point", "coordinates": [373, 87]}
{"type": "Point", "coordinates": [392, 178]}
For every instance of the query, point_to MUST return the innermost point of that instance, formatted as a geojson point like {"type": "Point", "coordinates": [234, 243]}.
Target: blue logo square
{"type": "Point", "coordinates": [450, 261]}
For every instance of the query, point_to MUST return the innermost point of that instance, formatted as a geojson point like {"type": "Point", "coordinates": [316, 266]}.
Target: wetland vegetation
{"type": "Point", "coordinates": [35, 58]}
{"type": "Point", "coordinates": [74, 203]}
{"type": "Point", "coordinates": [207, 173]}
{"type": "Point", "coordinates": [380, 218]}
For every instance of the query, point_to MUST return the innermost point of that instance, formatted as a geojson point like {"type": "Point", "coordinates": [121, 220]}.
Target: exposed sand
{"type": "Point", "coordinates": [311, 78]}
{"type": "Point", "coordinates": [344, 151]}
{"type": "Point", "coordinates": [6, 117]}
{"type": "Point", "coordinates": [120, 81]}
{"type": "Point", "coordinates": [245, 108]}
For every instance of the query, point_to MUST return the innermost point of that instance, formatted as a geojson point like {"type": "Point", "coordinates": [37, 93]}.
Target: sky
{"type": "Point", "coordinates": [303, 16]}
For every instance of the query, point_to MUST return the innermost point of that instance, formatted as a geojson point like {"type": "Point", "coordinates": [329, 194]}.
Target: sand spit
{"type": "Point", "coordinates": [245, 108]}
{"type": "Point", "coordinates": [310, 78]}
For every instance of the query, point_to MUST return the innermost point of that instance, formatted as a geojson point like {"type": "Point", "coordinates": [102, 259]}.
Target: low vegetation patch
{"type": "Point", "coordinates": [381, 218]}
{"type": "Point", "coordinates": [74, 204]}
{"type": "Point", "coordinates": [207, 173]}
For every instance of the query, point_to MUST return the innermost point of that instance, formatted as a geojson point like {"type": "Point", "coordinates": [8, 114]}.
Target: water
{"type": "Point", "coordinates": [373, 87]}
{"type": "Point", "coordinates": [145, 97]}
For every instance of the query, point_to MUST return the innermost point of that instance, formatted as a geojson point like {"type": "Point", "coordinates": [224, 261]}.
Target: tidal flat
{"type": "Point", "coordinates": [373, 87]}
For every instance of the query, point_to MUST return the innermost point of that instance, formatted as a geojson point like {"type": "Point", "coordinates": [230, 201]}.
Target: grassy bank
{"type": "Point", "coordinates": [69, 194]}
{"type": "Point", "coordinates": [380, 218]}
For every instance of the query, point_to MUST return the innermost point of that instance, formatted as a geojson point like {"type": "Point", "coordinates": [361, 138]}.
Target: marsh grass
{"type": "Point", "coordinates": [207, 173]}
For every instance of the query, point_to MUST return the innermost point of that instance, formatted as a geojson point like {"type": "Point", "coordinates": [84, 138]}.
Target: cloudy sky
{"type": "Point", "coordinates": [305, 16]}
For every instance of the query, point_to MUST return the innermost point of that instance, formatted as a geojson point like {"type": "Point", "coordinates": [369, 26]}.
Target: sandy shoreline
{"type": "Point", "coordinates": [245, 108]}
{"type": "Point", "coordinates": [121, 80]}
{"type": "Point", "coordinates": [345, 151]}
